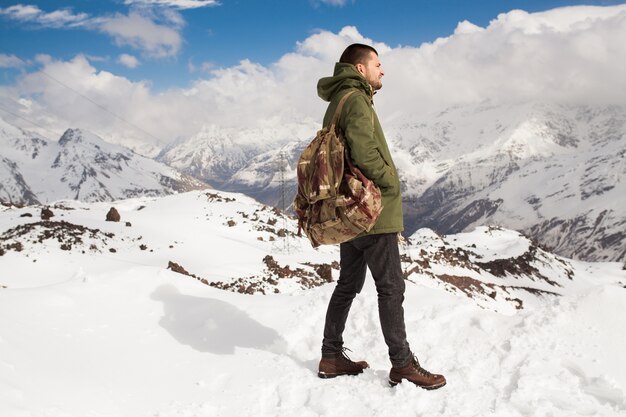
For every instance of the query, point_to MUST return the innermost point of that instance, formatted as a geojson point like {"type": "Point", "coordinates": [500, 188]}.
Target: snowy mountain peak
{"type": "Point", "coordinates": [83, 140]}
{"type": "Point", "coordinates": [216, 154]}
{"type": "Point", "coordinates": [71, 136]}
{"type": "Point", "coordinates": [80, 166]}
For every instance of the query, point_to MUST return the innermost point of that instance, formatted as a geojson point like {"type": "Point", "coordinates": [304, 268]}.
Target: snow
{"type": "Point", "coordinates": [497, 243]}
{"type": "Point", "coordinates": [117, 334]}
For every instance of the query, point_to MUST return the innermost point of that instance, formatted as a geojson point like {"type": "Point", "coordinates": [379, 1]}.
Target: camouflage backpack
{"type": "Point", "coordinates": [335, 201]}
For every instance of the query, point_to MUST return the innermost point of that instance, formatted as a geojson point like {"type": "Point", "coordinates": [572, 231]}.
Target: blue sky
{"type": "Point", "coordinates": [146, 72]}
{"type": "Point", "coordinates": [184, 39]}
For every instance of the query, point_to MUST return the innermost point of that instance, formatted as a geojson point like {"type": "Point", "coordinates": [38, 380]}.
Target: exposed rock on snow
{"type": "Point", "coordinates": [309, 276]}
{"type": "Point", "coordinates": [507, 266]}
{"type": "Point", "coordinates": [46, 213]}
{"type": "Point", "coordinates": [113, 215]}
{"type": "Point", "coordinates": [68, 236]}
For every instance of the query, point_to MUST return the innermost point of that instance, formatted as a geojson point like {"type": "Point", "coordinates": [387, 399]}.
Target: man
{"type": "Point", "coordinates": [359, 70]}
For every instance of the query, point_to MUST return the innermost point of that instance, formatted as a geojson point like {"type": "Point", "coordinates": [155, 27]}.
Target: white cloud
{"type": "Point", "coordinates": [206, 67]}
{"type": "Point", "coordinates": [574, 54]}
{"type": "Point", "coordinates": [339, 3]}
{"type": "Point", "coordinates": [128, 61]}
{"type": "Point", "coordinates": [179, 4]}
{"type": "Point", "coordinates": [22, 12]}
{"type": "Point", "coordinates": [571, 55]}
{"type": "Point", "coordinates": [57, 99]}
{"type": "Point", "coordinates": [173, 18]}
{"type": "Point", "coordinates": [11, 61]}
{"type": "Point", "coordinates": [140, 29]}
{"type": "Point", "coordinates": [165, 16]}
{"type": "Point", "coordinates": [97, 58]}
{"type": "Point", "coordinates": [61, 18]}
{"type": "Point", "coordinates": [328, 46]}
{"type": "Point", "coordinates": [142, 33]}
{"type": "Point", "coordinates": [43, 59]}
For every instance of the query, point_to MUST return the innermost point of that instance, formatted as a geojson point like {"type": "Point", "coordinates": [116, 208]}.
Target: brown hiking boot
{"type": "Point", "coordinates": [336, 364]}
{"type": "Point", "coordinates": [414, 373]}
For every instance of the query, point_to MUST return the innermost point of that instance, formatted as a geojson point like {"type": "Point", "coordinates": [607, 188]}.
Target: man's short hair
{"type": "Point", "coordinates": [357, 53]}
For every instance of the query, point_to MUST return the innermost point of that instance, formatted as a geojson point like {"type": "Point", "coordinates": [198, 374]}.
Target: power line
{"type": "Point", "coordinates": [102, 107]}
{"type": "Point", "coordinates": [27, 120]}
{"type": "Point", "coordinates": [283, 182]}
{"type": "Point", "coordinates": [159, 140]}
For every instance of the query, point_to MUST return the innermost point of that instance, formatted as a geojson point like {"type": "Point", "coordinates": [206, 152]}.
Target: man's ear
{"type": "Point", "coordinates": [361, 68]}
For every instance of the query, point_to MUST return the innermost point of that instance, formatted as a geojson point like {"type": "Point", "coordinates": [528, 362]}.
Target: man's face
{"type": "Point", "coordinates": [372, 71]}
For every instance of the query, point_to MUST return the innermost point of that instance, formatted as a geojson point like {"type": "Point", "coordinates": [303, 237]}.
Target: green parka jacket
{"type": "Point", "coordinates": [365, 138]}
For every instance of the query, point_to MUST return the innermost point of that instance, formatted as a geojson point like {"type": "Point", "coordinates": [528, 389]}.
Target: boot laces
{"type": "Point", "coordinates": [419, 369]}
{"type": "Point", "coordinates": [345, 356]}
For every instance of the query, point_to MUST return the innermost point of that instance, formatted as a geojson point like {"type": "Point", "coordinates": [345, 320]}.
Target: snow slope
{"type": "Point", "coordinates": [88, 331]}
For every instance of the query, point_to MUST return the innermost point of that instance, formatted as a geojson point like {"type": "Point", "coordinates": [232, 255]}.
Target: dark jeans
{"type": "Point", "coordinates": [379, 253]}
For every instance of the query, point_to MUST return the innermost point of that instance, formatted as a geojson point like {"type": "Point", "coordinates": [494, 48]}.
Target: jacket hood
{"type": "Point", "coordinates": [344, 76]}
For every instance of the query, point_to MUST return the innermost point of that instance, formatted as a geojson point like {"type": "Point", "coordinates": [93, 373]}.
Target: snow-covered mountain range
{"type": "Point", "coordinates": [557, 173]}
{"type": "Point", "coordinates": [80, 166]}
{"type": "Point", "coordinates": [236, 158]}
{"type": "Point", "coordinates": [554, 172]}
{"type": "Point", "coordinates": [191, 298]}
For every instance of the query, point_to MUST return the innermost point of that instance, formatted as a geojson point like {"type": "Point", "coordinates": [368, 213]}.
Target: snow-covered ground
{"type": "Point", "coordinates": [87, 331]}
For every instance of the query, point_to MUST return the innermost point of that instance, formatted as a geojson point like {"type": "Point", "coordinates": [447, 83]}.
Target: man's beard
{"type": "Point", "coordinates": [376, 84]}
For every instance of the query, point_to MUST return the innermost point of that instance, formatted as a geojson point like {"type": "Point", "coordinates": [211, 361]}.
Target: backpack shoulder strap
{"type": "Point", "coordinates": [337, 114]}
